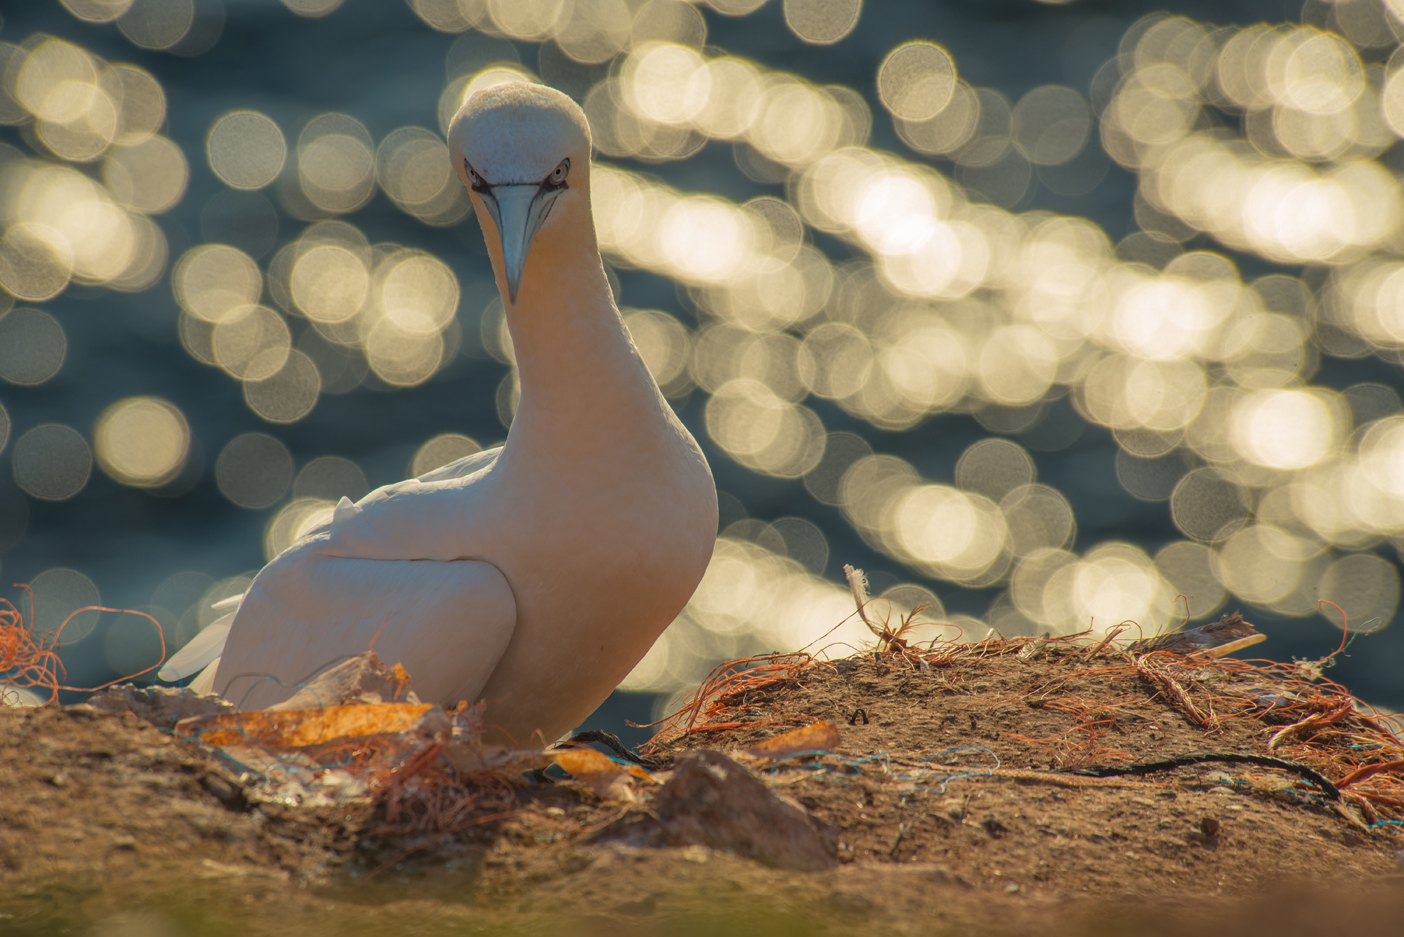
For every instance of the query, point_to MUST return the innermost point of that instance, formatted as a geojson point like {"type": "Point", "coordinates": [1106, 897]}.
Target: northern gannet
{"type": "Point", "coordinates": [535, 575]}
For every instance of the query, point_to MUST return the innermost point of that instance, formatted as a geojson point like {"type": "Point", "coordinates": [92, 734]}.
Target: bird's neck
{"type": "Point", "coordinates": [583, 385]}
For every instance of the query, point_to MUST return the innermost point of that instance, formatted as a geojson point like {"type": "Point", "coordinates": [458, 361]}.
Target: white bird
{"type": "Point", "coordinates": [535, 575]}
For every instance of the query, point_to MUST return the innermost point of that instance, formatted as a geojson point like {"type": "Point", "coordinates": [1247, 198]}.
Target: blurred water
{"type": "Point", "coordinates": [376, 61]}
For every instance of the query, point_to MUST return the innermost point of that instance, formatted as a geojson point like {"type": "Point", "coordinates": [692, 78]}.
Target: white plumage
{"type": "Point", "coordinates": [535, 575]}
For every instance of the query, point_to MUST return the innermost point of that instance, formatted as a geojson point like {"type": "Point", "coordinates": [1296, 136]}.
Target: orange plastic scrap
{"type": "Point", "coordinates": [819, 737]}
{"type": "Point", "coordinates": [598, 771]}
{"type": "Point", "coordinates": [299, 728]}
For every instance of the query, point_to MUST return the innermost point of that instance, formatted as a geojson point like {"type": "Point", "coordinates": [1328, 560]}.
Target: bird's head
{"type": "Point", "coordinates": [523, 150]}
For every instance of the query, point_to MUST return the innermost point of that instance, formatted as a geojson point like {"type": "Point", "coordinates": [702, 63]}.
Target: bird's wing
{"type": "Point", "coordinates": [461, 468]}
{"type": "Point", "coordinates": [203, 684]}
{"type": "Point", "coordinates": [447, 622]}
{"type": "Point", "coordinates": [203, 648]}
{"type": "Point", "coordinates": [346, 514]}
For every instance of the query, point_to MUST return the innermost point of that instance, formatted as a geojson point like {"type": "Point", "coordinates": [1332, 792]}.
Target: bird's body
{"type": "Point", "coordinates": [535, 576]}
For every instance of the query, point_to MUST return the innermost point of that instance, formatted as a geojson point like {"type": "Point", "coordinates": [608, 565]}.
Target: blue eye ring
{"type": "Point", "coordinates": [557, 178]}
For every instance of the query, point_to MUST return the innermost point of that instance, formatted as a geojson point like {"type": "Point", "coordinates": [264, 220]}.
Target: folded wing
{"type": "Point", "coordinates": [448, 623]}
{"type": "Point", "coordinates": [199, 653]}
{"type": "Point", "coordinates": [462, 468]}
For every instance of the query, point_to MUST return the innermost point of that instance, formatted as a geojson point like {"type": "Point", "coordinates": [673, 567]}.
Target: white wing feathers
{"type": "Point", "coordinates": [447, 622]}
{"type": "Point", "coordinates": [351, 533]}
{"type": "Point", "coordinates": [462, 468]}
{"type": "Point", "coordinates": [202, 649]}
{"type": "Point", "coordinates": [203, 684]}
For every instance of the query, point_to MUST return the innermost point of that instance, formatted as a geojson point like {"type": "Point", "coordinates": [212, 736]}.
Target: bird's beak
{"type": "Point", "coordinates": [518, 211]}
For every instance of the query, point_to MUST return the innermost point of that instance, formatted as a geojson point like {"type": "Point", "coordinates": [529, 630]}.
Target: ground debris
{"type": "Point", "coordinates": [809, 740]}
{"type": "Point", "coordinates": [161, 706]}
{"type": "Point", "coordinates": [1231, 629]}
{"type": "Point", "coordinates": [357, 731]}
{"type": "Point", "coordinates": [874, 791]}
{"type": "Point", "coordinates": [602, 774]}
{"type": "Point", "coordinates": [713, 801]}
{"type": "Point", "coordinates": [360, 679]}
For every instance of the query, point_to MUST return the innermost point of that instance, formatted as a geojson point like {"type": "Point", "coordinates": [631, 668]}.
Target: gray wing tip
{"type": "Point", "coordinates": [198, 652]}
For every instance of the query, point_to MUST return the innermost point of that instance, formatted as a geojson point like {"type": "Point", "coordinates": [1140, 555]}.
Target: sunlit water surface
{"type": "Point", "coordinates": [1051, 317]}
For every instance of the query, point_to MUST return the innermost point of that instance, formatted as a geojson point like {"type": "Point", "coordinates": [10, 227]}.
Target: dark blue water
{"type": "Point", "coordinates": [376, 61]}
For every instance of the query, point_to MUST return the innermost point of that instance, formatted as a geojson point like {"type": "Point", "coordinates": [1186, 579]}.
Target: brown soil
{"type": "Point", "coordinates": [109, 825]}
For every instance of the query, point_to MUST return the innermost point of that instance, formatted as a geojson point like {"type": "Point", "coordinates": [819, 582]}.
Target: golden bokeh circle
{"type": "Point", "coordinates": [330, 478]}
{"type": "Point", "coordinates": [312, 9]}
{"type": "Point", "coordinates": [1366, 588]}
{"type": "Point", "coordinates": [916, 80]}
{"type": "Point", "coordinates": [36, 262]}
{"type": "Point", "coordinates": [440, 451]}
{"type": "Point", "coordinates": [213, 280]}
{"type": "Point", "coordinates": [287, 395]}
{"type": "Point", "coordinates": [336, 163]}
{"type": "Point", "coordinates": [254, 470]}
{"type": "Point", "coordinates": [246, 149]}
{"type": "Point", "coordinates": [51, 462]}
{"type": "Point", "coordinates": [1051, 125]}
{"type": "Point", "coordinates": [148, 175]}
{"type": "Point", "coordinates": [251, 343]}
{"type": "Point", "coordinates": [157, 24]}
{"type": "Point", "coordinates": [293, 521]}
{"type": "Point", "coordinates": [329, 283]}
{"type": "Point", "coordinates": [58, 593]}
{"type": "Point", "coordinates": [32, 346]}
{"type": "Point", "coordinates": [97, 11]}
{"type": "Point", "coordinates": [1208, 504]}
{"type": "Point", "coordinates": [418, 292]}
{"type": "Point", "coordinates": [142, 441]}
{"type": "Point", "coordinates": [822, 22]}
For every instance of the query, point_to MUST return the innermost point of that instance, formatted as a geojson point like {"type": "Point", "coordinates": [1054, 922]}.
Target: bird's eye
{"type": "Point", "coordinates": [558, 175]}
{"type": "Point", "coordinates": [475, 180]}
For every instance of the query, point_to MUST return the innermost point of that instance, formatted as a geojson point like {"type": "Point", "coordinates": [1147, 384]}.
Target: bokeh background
{"type": "Point", "coordinates": [1050, 316]}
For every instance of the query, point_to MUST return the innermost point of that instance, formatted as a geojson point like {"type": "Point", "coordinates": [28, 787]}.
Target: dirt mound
{"type": "Point", "coordinates": [1024, 786]}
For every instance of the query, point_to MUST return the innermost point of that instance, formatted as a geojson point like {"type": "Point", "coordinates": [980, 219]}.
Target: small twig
{"type": "Point", "coordinates": [1111, 636]}
{"type": "Point", "coordinates": [1211, 653]}
{"type": "Point", "coordinates": [902, 831]}
{"type": "Point", "coordinates": [415, 764]}
{"type": "Point", "coordinates": [858, 585]}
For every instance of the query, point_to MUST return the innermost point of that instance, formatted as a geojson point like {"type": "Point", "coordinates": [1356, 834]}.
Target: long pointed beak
{"type": "Point", "coordinates": [518, 211]}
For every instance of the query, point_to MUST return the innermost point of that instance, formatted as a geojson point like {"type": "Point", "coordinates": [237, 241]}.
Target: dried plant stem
{"type": "Point", "coordinates": [1315, 719]}
{"type": "Point", "coordinates": [1173, 690]}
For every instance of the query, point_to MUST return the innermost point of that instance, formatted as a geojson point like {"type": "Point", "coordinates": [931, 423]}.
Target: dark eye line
{"type": "Point", "coordinates": [550, 182]}
{"type": "Point", "coordinates": [478, 183]}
